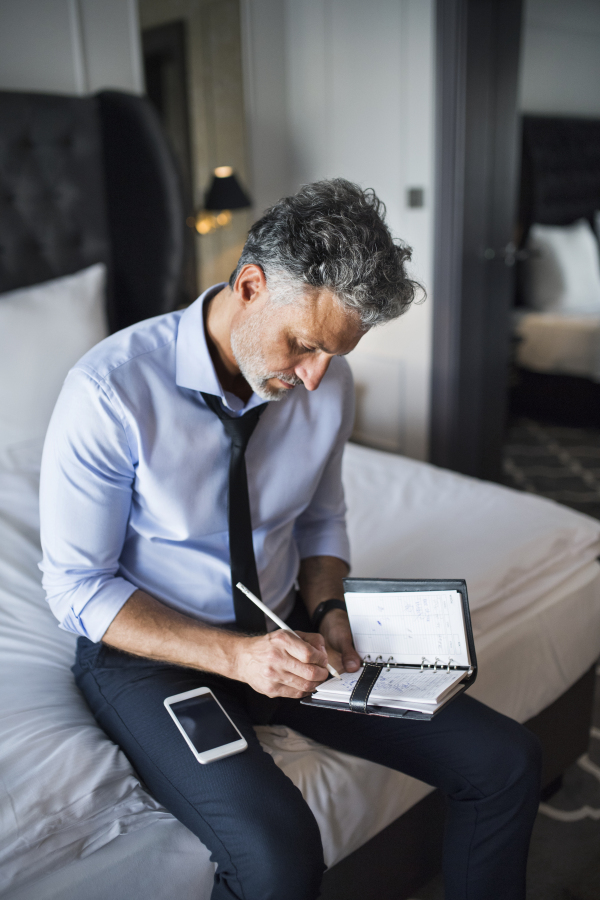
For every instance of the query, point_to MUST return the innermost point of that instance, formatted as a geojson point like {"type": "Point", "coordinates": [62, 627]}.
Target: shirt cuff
{"type": "Point", "coordinates": [332, 542]}
{"type": "Point", "coordinates": [93, 618]}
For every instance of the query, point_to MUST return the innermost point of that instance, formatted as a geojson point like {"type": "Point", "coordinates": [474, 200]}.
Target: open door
{"type": "Point", "coordinates": [478, 45]}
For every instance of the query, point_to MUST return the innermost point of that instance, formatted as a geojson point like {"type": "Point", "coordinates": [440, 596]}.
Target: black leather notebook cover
{"type": "Point", "coordinates": [359, 700]}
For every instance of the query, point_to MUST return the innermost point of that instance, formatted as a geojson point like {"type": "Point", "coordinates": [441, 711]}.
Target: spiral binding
{"type": "Point", "coordinates": [425, 663]}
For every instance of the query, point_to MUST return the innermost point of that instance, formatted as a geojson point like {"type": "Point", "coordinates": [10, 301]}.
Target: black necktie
{"type": "Point", "coordinates": [243, 565]}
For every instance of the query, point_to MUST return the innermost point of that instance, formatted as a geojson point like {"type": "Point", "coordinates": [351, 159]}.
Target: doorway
{"type": "Point", "coordinates": [518, 148]}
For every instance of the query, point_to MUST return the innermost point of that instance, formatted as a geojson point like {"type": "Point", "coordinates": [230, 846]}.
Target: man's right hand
{"type": "Point", "coordinates": [277, 664]}
{"type": "Point", "coordinates": [282, 665]}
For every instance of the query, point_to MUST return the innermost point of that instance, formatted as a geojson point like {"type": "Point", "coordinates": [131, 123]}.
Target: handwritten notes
{"type": "Point", "coordinates": [400, 685]}
{"type": "Point", "coordinates": [409, 626]}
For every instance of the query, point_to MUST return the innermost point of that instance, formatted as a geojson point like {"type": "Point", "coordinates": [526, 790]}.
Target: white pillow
{"type": "Point", "coordinates": [44, 330]}
{"type": "Point", "coordinates": [563, 270]}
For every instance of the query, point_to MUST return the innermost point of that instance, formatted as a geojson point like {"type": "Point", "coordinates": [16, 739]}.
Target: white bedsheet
{"type": "Point", "coordinates": [412, 520]}
{"type": "Point", "coordinates": [165, 860]}
{"type": "Point", "coordinates": [71, 792]}
{"type": "Point", "coordinates": [559, 344]}
{"type": "Point", "coordinates": [65, 789]}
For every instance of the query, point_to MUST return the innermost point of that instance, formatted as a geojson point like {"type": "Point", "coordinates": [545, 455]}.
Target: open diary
{"type": "Point", "coordinates": [416, 643]}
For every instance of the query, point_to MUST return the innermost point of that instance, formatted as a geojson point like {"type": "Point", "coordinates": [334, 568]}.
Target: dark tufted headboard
{"type": "Point", "coordinates": [85, 180]}
{"type": "Point", "coordinates": [560, 173]}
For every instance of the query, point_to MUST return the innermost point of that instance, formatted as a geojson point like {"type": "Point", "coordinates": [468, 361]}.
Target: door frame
{"type": "Point", "coordinates": [477, 174]}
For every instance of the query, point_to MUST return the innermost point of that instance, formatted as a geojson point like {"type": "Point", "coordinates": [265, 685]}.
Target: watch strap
{"type": "Point", "coordinates": [322, 610]}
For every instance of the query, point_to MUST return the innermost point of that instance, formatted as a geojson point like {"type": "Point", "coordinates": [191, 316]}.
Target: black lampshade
{"type": "Point", "coordinates": [226, 193]}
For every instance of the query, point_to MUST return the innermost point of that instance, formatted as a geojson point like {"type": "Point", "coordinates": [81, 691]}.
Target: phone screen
{"type": "Point", "coordinates": [204, 722]}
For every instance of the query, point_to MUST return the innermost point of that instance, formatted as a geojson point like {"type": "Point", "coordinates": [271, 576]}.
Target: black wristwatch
{"type": "Point", "coordinates": [322, 610]}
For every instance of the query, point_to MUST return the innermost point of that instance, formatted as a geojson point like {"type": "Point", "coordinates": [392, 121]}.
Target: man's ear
{"type": "Point", "coordinates": [251, 284]}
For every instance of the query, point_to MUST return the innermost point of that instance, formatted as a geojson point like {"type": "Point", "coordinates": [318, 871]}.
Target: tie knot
{"type": "Point", "coordinates": [239, 428]}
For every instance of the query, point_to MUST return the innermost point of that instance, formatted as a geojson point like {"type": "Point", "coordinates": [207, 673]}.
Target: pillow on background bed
{"type": "Point", "coordinates": [563, 271]}
{"type": "Point", "coordinates": [44, 330]}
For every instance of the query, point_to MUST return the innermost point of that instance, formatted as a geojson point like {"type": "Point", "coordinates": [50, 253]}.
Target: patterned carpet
{"type": "Point", "coordinates": [564, 859]}
{"type": "Point", "coordinates": [560, 463]}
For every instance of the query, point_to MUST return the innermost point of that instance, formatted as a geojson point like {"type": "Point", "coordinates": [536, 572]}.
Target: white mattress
{"type": "Point", "coordinates": [559, 344]}
{"type": "Point", "coordinates": [412, 520]}
{"type": "Point", "coordinates": [74, 818]}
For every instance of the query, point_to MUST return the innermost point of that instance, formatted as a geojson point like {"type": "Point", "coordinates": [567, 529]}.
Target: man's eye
{"type": "Point", "coordinates": [307, 349]}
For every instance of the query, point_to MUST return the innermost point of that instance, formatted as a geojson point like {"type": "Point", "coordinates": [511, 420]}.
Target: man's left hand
{"type": "Point", "coordinates": [335, 628]}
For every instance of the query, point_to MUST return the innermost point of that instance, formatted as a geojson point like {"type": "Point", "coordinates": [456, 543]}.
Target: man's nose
{"type": "Point", "coordinates": [312, 370]}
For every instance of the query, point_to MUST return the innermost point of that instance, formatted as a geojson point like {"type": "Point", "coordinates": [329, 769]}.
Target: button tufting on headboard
{"type": "Point", "coordinates": [560, 174]}
{"type": "Point", "coordinates": [85, 180]}
{"type": "Point", "coordinates": [49, 197]}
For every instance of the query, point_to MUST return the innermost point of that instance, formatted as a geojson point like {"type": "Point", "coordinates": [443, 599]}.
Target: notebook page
{"type": "Point", "coordinates": [409, 625]}
{"type": "Point", "coordinates": [426, 687]}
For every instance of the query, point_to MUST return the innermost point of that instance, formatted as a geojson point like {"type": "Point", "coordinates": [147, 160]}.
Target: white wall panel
{"type": "Point", "coordinates": [560, 61]}
{"type": "Point", "coordinates": [312, 119]}
{"type": "Point", "coordinates": [40, 46]}
{"type": "Point", "coordinates": [350, 86]}
{"type": "Point", "coordinates": [112, 46]}
{"type": "Point", "coordinates": [69, 46]}
{"type": "Point", "coordinates": [263, 53]}
{"type": "Point", "coordinates": [380, 384]}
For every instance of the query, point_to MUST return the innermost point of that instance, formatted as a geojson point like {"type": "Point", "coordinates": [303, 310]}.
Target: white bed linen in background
{"type": "Point", "coordinates": [412, 520]}
{"type": "Point", "coordinates": [71, 791]}
{"type": "Point", "coordinates": [562, 285]}
{"type": "Point", "coordinates": [562, 271]}
{"type": "Point", "coordinates": [558, 343]}
{"type": "Point", "coordinates": [44, 330]}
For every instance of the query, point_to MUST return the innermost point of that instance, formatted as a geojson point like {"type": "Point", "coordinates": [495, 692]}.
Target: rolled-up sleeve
{"type": "Point", "coordinates": [87, 474]}
{"type": "Point", "coordinates": [321, 529]}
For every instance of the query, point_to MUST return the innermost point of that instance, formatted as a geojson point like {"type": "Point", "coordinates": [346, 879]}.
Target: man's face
{"type": "Point", "coordinates": [279, 347]}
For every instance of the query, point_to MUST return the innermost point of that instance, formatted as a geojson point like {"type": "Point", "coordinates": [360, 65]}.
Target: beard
{"type": "Point", "coordinates": [247, 349]}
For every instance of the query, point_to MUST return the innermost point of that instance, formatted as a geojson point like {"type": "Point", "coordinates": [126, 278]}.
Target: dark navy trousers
{"type": "Point", "coordinates": [261, 833]}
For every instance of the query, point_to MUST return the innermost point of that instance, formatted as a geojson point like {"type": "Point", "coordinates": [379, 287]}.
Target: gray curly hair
{"type": "Point", "coordinates": [332, 234]}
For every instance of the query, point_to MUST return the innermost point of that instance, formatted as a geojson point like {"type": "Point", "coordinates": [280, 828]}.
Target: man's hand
{"type": "Point", "coordinates": [335, 628]}
{"type": "Point", "coordinates": [278, 664]}
{"type": "Point", "coordinates": [282, 665]}
{"type": "Point", "coordinates": [321, 578]}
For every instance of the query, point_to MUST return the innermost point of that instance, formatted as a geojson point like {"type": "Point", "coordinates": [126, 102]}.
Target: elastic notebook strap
{"type": "Point", "coordinates": [363, 687]}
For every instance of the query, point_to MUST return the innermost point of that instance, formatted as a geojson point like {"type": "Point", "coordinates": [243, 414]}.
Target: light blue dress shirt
{"type": "Point", "coordinates": [135, 472]}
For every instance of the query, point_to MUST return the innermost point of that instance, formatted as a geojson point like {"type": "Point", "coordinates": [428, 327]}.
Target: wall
{"type": "Point", "coordinates": [70, 46]}
{"type": "Point", "coordinates": [345, 88]}
{"type": "Point", "coordinates": [560, 67]}
{"type": "Point", "coordinates": [333, 87]}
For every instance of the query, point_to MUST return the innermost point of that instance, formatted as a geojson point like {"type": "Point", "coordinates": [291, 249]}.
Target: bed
{"type": "Point", "coordinates": [76, 819]}
{"type": "Point", "coordinates": [557, 322]}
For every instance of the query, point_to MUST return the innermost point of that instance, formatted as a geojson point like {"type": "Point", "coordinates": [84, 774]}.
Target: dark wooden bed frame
{"type": "Point", "coordinates": [86, 180]}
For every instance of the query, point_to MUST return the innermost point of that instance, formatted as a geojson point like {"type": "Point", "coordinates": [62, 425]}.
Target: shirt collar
{"type": "Point", "coordinates": [193, 365]}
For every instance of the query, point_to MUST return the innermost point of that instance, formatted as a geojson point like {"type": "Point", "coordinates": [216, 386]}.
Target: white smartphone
{"type": "Point", "coordinates": [208, 731]}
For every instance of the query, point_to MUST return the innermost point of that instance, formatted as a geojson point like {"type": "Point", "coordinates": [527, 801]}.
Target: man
{"type": "Point", "coordinates": [155, 429]}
